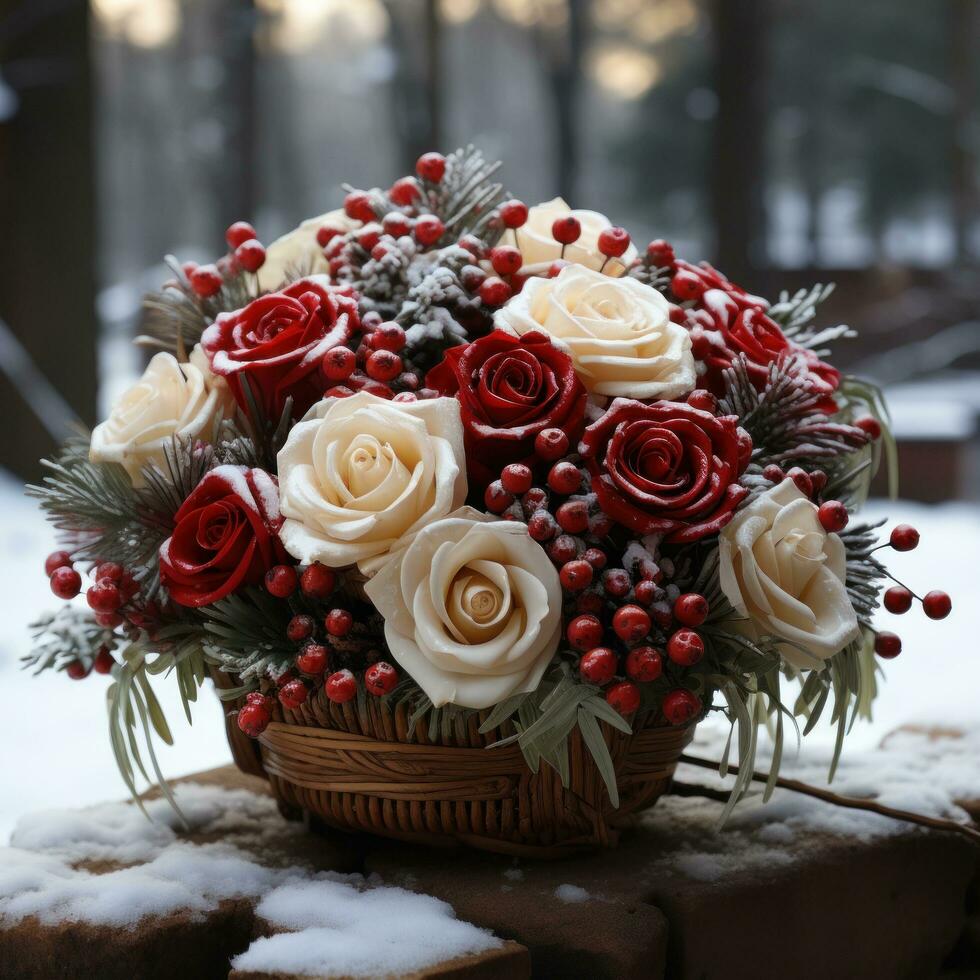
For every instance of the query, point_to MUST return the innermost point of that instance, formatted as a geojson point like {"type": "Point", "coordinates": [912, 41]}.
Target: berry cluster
{"type": "Point", "coordinates": [245, 254]}
{"type": "Point", "coordinates": [898, 598]}
{"type": "Point", "coordinates": [331, 647]}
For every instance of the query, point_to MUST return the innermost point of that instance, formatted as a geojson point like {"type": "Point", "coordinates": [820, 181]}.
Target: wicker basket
{"type": "Point", "coordinates": [359, 770]}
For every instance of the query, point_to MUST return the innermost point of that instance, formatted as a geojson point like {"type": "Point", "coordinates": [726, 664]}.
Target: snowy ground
{"type": "Point", "coordinates": [57, 754]}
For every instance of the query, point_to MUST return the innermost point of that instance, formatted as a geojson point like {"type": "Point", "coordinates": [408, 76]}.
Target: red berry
{"type": "Point", "coordinates": [293, 694]}
{"type": "Point", "coordinates": [802, 480]}
{"type": "Point", "coordinates": [431, 167]}
{"type": "Point", "coordinates": [369, 236]}
{"type": "Point", "coordinates": [338, 363]}
{"type": "Point", "coordinates": [646, 592]}
{"type": "Point", "coordinates": [573, 516]}
{"type": "Point", "coordinates": [564, 478]}
{"type": "Point", "coordinates": [341, 686]}
{"type": "Point", "coordinates": [357, 205]}
{"type": "Point", "coordinates": [496, 498]}
{"type": "Point", "coordinates": [109, 571]}
{"type": "Point", "coordinates": [428, 229]}
{"type": "Point", "coordinates": [541, 526]}
{"type": "Point", "coordinates": [644, 664]}
{"type": "Point", "coordinates": [534, 499]}
{"type": "Point", "coordinates": [631, 623]}
{"type": "Point", "coordinates": [104, 661]}
{"type": "Point", "coordinates": [338, 391]}
{"type": "Point", "coordinates": [403, 191]}
{"type": "Point", "coordinates": [904, 537]}
{"type": "Point", "coordinates": [685, 648]}
{"type": "Point", "coordinates": [380, 678]}
{"type": "Point", "coordinates": [472, 277]}
{"type": "Point", "coordinates": [870, 426]}
{"type": "Point", "coordinates": [76, 670]}
{"type": "Point", "coordinates": [396, 224]}
{"type": "Point", "coordinates": [887, 645]}
{"type": "Point", "coordinates": [57, 559]}
{"type": "Point", "coordinates": [254, 718]}
{"type": "Point", "coordinates": [589, 603]}
{"type": "Point", "coordinates": [703, 400]}
{"type": "Point", "coordinates": [898, 600]}
{"type": "Point", "coordinates": [624, 697]}
{"type": "Point", "coordinates": [575, 575]}
{"type": "Point", "coordinates": [256, 697]}
{"type": "Point", "coordinates": [773, 473]}
{"type": "Point", "coordinates": [550, 444]}
{"type": "Point", "coordinates": [616, 582]}
{"type": "Point", "coordinates": [691, 609]}
{"type": "Point", "coordinates": [238, 233]}
{"type": "Point", "coordinates": [686, 285]}
{"type": "Point", "coordinates": [584, 632]}
{"type": "Point", "coordinates": [494, 291]}
{"type": "Point", "coordinates": [516, 478]}
{"type": "Point", "coordinates": [566, 230]}
{"type": "Point", "coordinates": [554, 270]}
{"type": "Point", "coordinates": [383, 365]}
{"type": "Point", "coordinates": [936, 604]}
{"type": "Point", "coordinates": [819, 480]}
{"type": "Point", "coordinates": [281, 581]}
{"type": "Point", "coordinates": [338, 622]}
{"type": "Point", "coordinates": [596, 557]}
{"type": "Point", "coordinates": [598, 666]}
{"type": "Point", "coordinates": [388, 336]}
{"type": "Point", "coordinates": [313, 659]}
{"type": "Point", "coordinates": [506, 260]}
{"type": "Point", "coordinates": [104, 597]}
{"type": "Point", "coordinates": [660, 253]}
{"type": "Point", "coordinates": [563, 549]}
{"type": "Point", "coordinates": [300, 628]}
{"type": "Point", "coordinates": [614, 241]}
{"type": "Point", "coordinates": [833, 516]}
{"type": "Point", "coordinates": [325, 234]}
{"type": "Point", "coordinates": [513, 213]}
{"type": "Point", "coordinates": [318, 581]}
{"type": "Point", "coordinates": [681, 706]}
{"type": "Point", "coordinates": [206, 280]}
{"type": "Point", "coordinates": [111, 620]}
{"type": "Point", "coordinates": [250, 255]}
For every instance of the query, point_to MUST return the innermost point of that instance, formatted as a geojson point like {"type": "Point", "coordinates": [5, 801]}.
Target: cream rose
{"type": "Point", "coordinates": [785, 573]}
{"type": "Point", "coordinates": [360, 476]}
{"type": "Point", "coordinates": [539, 248]}
{"type": "Point", "coordinates": [472, 610]}
{"type": "Point", "coordinates": [170, 399]}
{"type": "Point", "coordinates": [298, 250]}
{"type": "Point", "coordinates": [618, 332]}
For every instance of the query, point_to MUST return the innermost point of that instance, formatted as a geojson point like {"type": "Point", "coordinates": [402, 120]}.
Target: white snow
{"type": "Point", "coordinates": [339, 927]}
{"type": "Point", "coordinates": [571, 894]}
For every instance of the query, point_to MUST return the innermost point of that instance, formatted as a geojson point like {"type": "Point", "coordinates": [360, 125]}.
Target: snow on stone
{"type": "Point", "coordinates": [340, 927]}
{"type": "Point", "coordinates": [571, 894]}
{"type": "Point", "coordinates": [336, 925]}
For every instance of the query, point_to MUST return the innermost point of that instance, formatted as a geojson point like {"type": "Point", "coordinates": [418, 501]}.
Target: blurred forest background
{"type": "Point", "coordinates": [787, 141]}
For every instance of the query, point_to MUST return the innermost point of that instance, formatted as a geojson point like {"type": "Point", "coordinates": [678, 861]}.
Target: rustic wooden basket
{"type": "Point", "coordinates": [359, 770]}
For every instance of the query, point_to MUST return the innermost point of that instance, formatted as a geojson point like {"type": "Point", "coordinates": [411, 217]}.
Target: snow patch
{"type": "Point", "coordinates": [571, 894]}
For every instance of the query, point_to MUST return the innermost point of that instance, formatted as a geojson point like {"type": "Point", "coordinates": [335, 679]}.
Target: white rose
{"type": "Point", "coordinates": [171, 399]}
{"type": "Point", "coordinates": [360, 476]}
{"type": "Point", "coordinates": [785, 573]}
{"type": "Point", "coordinates": [472, 610]}
{"type": "Point", "coordinates": [298, 250]}
{"type": "Point", "coordinates": [618, 332]}
{"type": "Point", "coordinates": [539, 248]}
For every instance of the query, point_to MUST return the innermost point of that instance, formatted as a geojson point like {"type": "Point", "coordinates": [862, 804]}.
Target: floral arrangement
{"type": "Point", "coordinates": [443, 448]}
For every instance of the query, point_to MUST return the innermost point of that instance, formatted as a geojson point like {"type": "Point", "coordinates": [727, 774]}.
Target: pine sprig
{"type": "Point", "coordinates": [174, 318]}
{"type": "Point", "coordinates": [783, 419]}
{"type": "Point", "coordinates": [795, 315]}
{"type": "Point", "coordinates": [62, 637]}
{"type": "Point", "coordinates": [467, 196]}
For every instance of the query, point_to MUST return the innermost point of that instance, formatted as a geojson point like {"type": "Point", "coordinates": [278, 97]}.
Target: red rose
{"type": "Point", "coordinates": [723, 326]}
{"type": "Point", "coordinates": [277, 342]}
{"type": "Point", "coordinates": [665, 468]}
{"type": "Point", "coordinates": [225, 536]}
{"type": "Point", "coordinates": [509, 389]}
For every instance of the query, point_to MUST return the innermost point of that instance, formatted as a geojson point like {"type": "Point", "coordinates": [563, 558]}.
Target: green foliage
{"type": "Point", "coordinates": [65, 636]}
{"type": "Point", "coordinates": [467, 195]}
{"type": "Point", "coordinates": [796, 313]}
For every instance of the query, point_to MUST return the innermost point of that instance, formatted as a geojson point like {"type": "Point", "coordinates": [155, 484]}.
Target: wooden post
{"type": "Point", "coordinates": [738, 160]}
{"type": "Point", "coordinates": [47, 217]}
{"type": "Point", "coordinates": [964, 22]}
